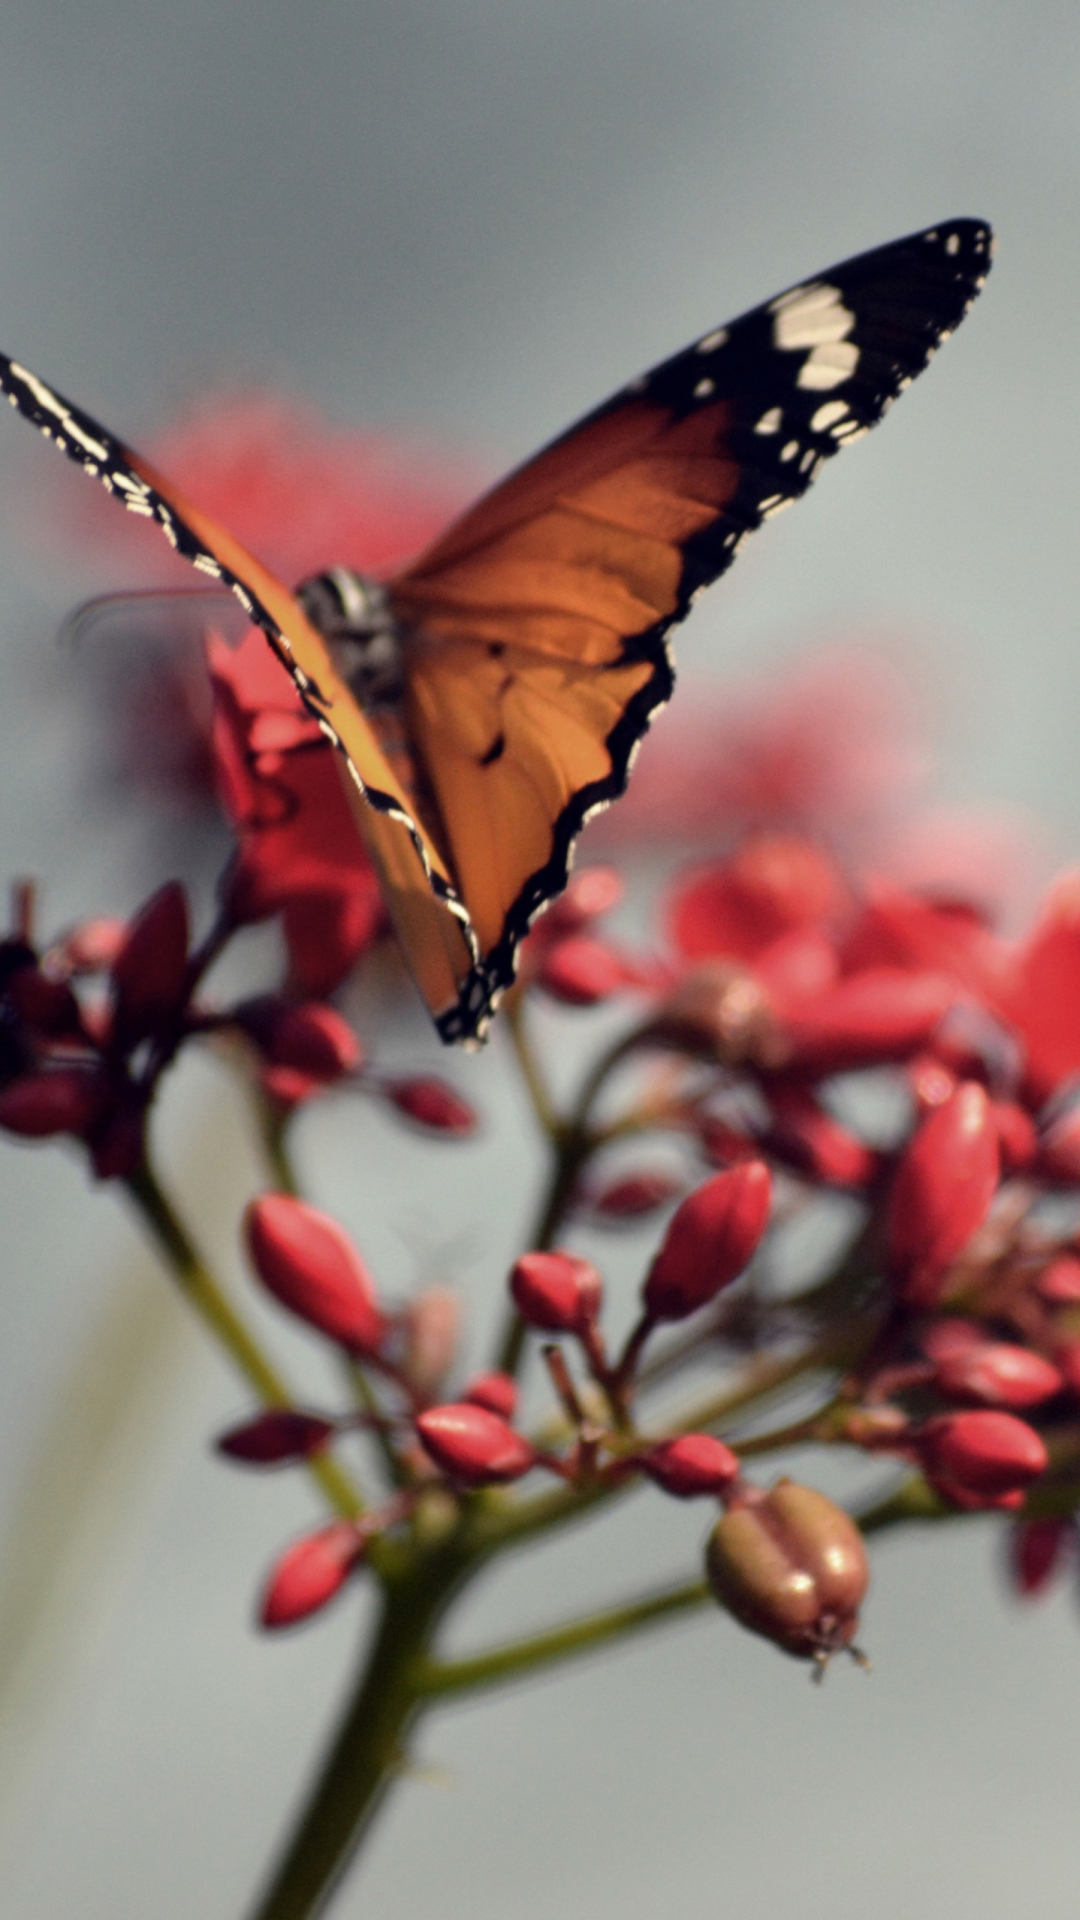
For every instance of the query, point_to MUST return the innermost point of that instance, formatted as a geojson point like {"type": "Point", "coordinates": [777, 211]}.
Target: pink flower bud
{"type": "Point", "coordinates": [309, 1263]}
{"type": "Point", "coordinates": [1017, 1138]}
{"type": "Point", "coordinates": [998, 1374]}
{"type": "Point", "coordinates": [635, 1195]}
{"type": "Point", "coordinates": [931, 1082]}
{"type": "Point", "coordinates": [276, 1438]}
{"type": "Point", "coordinates": [1036, 1551]}
{"type": "Point", "coordinates": [1059, 1283]}
{"type": "Point", "coordinates": [590, 893]}
{"type": "Point", "coordinates": [287, 1088]}
{"type": "Point", "coordinates": [556, 1291]}
{"type": "Point", "coordinates": [432, 1327]}
{"type": "Point", "coordinates": [882, 1014]}
{"type": "Point", "coordinates": [431, 1103]}
{"type": "Point", "coordinates": [56, 1100]}
{"type": "Point", "coordinates": [808, 1138]}
{"type": "Point", "coordinates": [581, 971]}
{"type": "Point", "coordinates": [149, 974]}
{"type": "Point", "coordinates": [710, 1240]}
{"type": "Point", "coordinates": [498, 1392]}
{"type": "Point", "coordinates": [775, 883]}
{"type": "Point", "coordinates": [791, 1566]}
{"type": "Point", "coordinates": [693, 1464]}
{"type": "Point", "coordinates": [310, 1572]}
{"type": "Point", "coordinates": [951, 1335]}
{"type": "Point", "coordinates": [91, 947]}
{"type": "Point", "coordinates": [942, 1192]}
{"type": "Point", "coordinates": [307, 1036]}
{"type": "Point", "coordinates": [473, 1445]}
{"type": "Point", "coordinates": [981, 1458]}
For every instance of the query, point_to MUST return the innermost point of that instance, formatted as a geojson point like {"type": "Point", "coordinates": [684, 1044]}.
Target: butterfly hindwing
{"type": "Point", "coordinates": [539, 621]}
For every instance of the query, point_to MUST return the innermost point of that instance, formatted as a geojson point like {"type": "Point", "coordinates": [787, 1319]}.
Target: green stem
{"type": "Point", "coordinates": [204, 1294]}
{"type": "Point", "coordinates": [370, 1750]}
{"type": "Point", "coordinates": [274, 1126]}
{"type": "Point", "coordinates": [438, 1678]}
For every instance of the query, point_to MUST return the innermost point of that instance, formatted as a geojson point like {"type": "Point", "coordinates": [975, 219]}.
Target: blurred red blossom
{"type": "Point", "coordinates": [299, 849]}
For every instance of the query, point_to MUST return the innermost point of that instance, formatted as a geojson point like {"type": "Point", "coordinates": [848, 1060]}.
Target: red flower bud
{"type": "Point", "coordinates": [634, 1196]}
{"type": "Point", "coordinates": [149, 974]}
{"type": "Point", "coordinates": [556, 1291]}
{"type": "Point", "coordinates": [775, 883]}
{"type": "Point", "coordinates": [276, 1438]}
{"type": "Point", "coordinates": [981, 1459]}
{"type": "Point", "coordinates": [473, 1445]}
{"type": "Point", "coordinates": [118, 1141]}
{"type": "Point", "coordinates": [808, 1138]}
{"type": "Point", "coordinates": [57, 1100]}
{"type": "Point", "coordinates": [581, 971]}
{"type": "Point", "coordinates": [431, 1103]}
{"type": "Point", "coordinates": [288, 1088]}
{"type": "Point", "coordinates": [309, 1263]}
{"type": "Point", "coordinates": [791, 1566]}
{"type": "Point", "coordinates": [310, 1572]}
{"type": "Point", "coordinates": [882, 1014]}
{"type": "Point", "coordinates": [1017, 1137]}
{"type": "Point", "coordinates": [497, 1392]}
{"type": "Point", "coordinates": [48, 1007]}
{"type": "Point", "coordinates": [1036, 1551]}
{"type": "Point", "coordinates": [710, 1240]}
{"type": "Point", "coordinates": [693, 1464]}
{"type": "Point", "coordinates": [1067, 1356]}
{"type": "Point", "coordinates": [944, 1185]}
{"type": "Point", "coordinates": [1059, 1283]}
{"type": "Point", "coordinates": [998, 1374]}
{"type": "Point", "coordinates": [307, 1035]}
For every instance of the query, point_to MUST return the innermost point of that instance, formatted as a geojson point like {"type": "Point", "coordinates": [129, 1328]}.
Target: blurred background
{"type": "Point", "coordinates": [463, 224]}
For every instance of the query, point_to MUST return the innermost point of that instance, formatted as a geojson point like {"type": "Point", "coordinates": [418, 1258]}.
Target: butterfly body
{"type": "Point", "coordinates": [491, 696]}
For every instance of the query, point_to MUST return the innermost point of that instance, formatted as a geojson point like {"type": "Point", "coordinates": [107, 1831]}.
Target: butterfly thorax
{"type": "Point", "coordinates": [353, 615]}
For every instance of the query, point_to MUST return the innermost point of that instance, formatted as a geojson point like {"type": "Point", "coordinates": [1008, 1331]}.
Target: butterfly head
{"type": "Point", "coordinates": [353, 615]}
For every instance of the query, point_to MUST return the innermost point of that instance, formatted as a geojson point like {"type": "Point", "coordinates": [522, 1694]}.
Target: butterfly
{"type": "Point", "coordinates": [490, 697]}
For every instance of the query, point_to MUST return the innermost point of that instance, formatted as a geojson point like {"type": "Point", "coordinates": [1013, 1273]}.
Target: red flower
{"type": "Point", "coordinates": [1046, 1002]}
{"type": "Point", "coordinates": [774, 885]}
{"type": "Point", "coordinates": [300, 852]}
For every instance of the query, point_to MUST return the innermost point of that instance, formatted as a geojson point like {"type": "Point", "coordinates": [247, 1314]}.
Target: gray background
{"type": "Point", "coordinates": [470, 220]}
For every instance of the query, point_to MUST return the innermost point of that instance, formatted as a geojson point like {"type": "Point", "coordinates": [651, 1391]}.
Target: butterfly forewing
{"type": "Point", "coordinates": [539, 620]}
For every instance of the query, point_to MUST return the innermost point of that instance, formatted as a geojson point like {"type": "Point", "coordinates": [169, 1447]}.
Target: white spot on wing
{"type": "Point", "coordinates": [789, 452]}
{"type": "Point", "coordinates": [828, 366]}
{"type": "Point", "coordinates": [712, 340]}
{"type": "Point", "coordinates": [811, 316]}
{"type": "Point", "coordinates": [952, 244]}
{"type": "Point", "coordinates": [704, 388]}
{"type": "Point", "coordinates": [828, 414]}
{"type": "Point", "coordinates": [770, 422]}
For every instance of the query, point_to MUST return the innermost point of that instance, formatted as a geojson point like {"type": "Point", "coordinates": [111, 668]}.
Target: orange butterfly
{"type": "Point", "coordinates": [491, 697]}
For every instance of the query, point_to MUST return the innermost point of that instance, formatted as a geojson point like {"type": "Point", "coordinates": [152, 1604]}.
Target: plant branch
{"type": "Point", "coordinates": [199, 1287]}
{"type": "Point", "coordinates": [439, 1678]}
